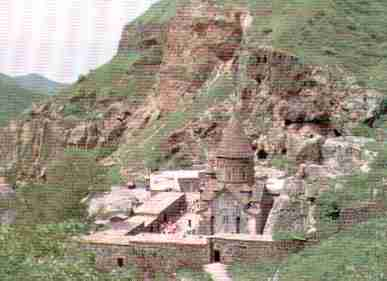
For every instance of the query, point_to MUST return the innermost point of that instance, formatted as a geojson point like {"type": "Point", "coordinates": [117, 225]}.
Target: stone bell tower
{"type": "Point", "coordinates": [235, 156]}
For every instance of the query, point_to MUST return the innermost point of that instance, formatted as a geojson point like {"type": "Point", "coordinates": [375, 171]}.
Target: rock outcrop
{"type": "Point", "coordinates": [347, 154]}
{"type": "Point", "coordinates": [120, 200]}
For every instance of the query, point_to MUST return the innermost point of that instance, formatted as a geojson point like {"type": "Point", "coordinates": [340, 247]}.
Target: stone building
{"type": "Point", "coordinates": [178, 181]}
{"type": "Point", "coordinates": [159, 209]}
{"type": "Point", "coordinates": [219, 213]}
{"type": "Point", "coordinates": [230, 197]}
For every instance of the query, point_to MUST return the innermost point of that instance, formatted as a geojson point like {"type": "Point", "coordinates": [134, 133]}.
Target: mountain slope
{"type": "Point", "coordinates": [184, 65]}
{"type": "Point", "coordinates": [14, 99]}
{"type": "Point", "coordinates": [356, 254]}
{"type": "Point", "coordinates": [350, 34]}
{"type": "Point", "coordinates": [300, 73]}
{"type": "Point", "coordinates": [40, 84]}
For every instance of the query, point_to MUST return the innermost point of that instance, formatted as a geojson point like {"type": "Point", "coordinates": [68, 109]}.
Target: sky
{"type": "Point", "coordinates": [61, 39]}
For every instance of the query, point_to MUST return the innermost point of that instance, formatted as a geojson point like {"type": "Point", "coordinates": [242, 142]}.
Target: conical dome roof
{"type": "Point", "coordinates": [235, 143]}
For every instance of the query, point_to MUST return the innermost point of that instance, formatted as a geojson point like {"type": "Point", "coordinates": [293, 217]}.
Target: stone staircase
{"type": "Point", "coordinates": [217, 271]}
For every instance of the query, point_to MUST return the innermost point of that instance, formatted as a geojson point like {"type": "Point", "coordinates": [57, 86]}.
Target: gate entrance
{"type": "Point", "coordinates": [216, 256]}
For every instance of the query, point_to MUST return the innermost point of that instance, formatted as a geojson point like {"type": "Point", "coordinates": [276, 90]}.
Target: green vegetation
{"type": "Point", "coordinates": [114, 176]}
{"type": "Point", "coordinates": [37, 247]}
{"type": "Point", "coordinates": [150, 146]}
{"type": "Point", "coordinates": [188, 274]}
{"type": "Point", "coordinates": [161, 12]}
{"type": "Point", "coordinates": [352, 190]}
{"type": "Point", "coordinates": [73, 109]}
{"type": "Point", "coordinates": [105, 74]}
{"type": "Point", "coordinates": [257, 272]}
{"type": "Point", "coordinates": [15, 99]}
{"type": "Point", "coordinates": [109, 80]}
{"type": "Point", "coordinates": [362, 130]}
{"type": "Point", "coordinates": [154, 152]}
{"type": "Point", "coordinates": [289, 236]}
{"type": "Point", "coordinates": [279, 162]}
{"type": "Point", "coordinates": [70, 179]}
{"type": "Point", "coordinates": [356, 254]}
{"type": "Point", "coordinates": [40, 84]}
{"type": "Point", "coordinates": [350, 34]}
{"type": "Point", "coordinates": [42, 252]}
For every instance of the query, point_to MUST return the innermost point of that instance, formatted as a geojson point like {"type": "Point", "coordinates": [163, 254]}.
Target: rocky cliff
{"type": "Point", "coordinates": [166, 95]}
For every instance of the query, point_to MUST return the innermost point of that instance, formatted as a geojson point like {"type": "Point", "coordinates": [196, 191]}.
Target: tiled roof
{"type": "Point", "coordinates": [235, 143]}
{"type": "Point", "coordinates": [158, 203]}
{"type": "Point", "coordinates": [170, 179]}
{"type": "Point", "coordinates": [138, 220]}
{"type": "Point", "coordinates": [119, 237]}
{"type": "Point", "coordinates": [242, 236]}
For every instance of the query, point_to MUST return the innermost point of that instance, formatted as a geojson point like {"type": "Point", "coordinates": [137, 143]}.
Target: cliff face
{"type": "Point", "coordinates": [172, 86]}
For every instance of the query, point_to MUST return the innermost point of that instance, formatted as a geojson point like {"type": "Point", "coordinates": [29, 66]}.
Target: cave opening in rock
{"type": "Point", "coordinates": [337, 133]}
{"type": "Point", "coordinates": [259, 79]}
{"type": "Point", "coordinates": [284, 151]}
{"type": "Point", "coordinates": [262, 154]}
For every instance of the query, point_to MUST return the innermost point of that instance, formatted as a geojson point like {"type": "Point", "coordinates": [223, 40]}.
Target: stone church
{"type": "Point", "coordinates": [220, 218]}
{"type": "Point", "coordinates": [231, 200]}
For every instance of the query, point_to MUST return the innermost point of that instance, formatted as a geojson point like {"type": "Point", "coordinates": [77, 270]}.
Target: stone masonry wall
{"type": "Point", "coordinates": [231, 251]}
{"type": "Point", "coordinates": [359, 214]}
{"type": "Point", "coordinates": [150, 257]}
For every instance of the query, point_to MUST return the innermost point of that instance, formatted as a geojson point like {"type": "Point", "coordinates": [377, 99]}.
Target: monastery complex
{"type": "Point", "coordinates": [196, 217]}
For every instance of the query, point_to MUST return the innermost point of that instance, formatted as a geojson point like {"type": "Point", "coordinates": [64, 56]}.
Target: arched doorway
{"type": "Point", "coordinates": [262, 154]}
{"type": "Point", "coordinates": [216, 256]}
{"type": "Point", "coordinates": [120, 262]}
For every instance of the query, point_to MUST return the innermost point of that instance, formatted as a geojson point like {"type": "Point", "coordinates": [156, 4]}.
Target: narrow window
{"type": "Point", "coordinates": [212, 225]}
{"type": "Point", "coordinates": [120, 262]}
{"type": "Point", "coordinates": [189, 223]}
{"type": "Point", "coordinates": [243, 174]}
{"type": "Point", "coordinates": [238, 225]}
{"type": "Point", "coordinates": [262, 154]}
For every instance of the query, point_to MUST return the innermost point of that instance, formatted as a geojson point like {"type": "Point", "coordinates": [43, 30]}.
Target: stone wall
{"type": "Point", "coordinates": [150, 256]}
{"type": "Point", "coordinates": [170, 214]}
{"type": "Point", "coordinates": [359, 214]}
{"type": "Point", "coordinates": [189, 185]}
{"type": "Point", "coordinates": [253, 251]}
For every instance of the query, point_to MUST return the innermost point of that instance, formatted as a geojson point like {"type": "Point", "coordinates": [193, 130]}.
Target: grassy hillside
{"type": "Point", "coordinates": [14, 99]}
{"type": "Point", "coordinates": [343, 33]}
{"type": "Point", "coordinates": [358, 254]}
{"type": "Point", "coordinates": [39, 83]}
{"type": "Point", "coordinates": [347, 33]}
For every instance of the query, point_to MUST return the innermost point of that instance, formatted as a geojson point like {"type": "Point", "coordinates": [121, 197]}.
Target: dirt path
{"type": "Point", "coordinates": [217, 271]}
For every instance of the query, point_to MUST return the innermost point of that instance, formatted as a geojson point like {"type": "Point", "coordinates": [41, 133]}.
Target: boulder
{"type": "Point", "coordinates": [275, 186]}
{"type": "Point", "coordinates": [7, 195]}
{"type": "Point", "coordinates": [301, 149]}
{"type": "Point", "coordinates": [286, 216]}
{"type": "Point", "coordinates": [294, 187]}
{"type": "Point", "coordinates": [347, 154]}
{"type": "Point", "coordinates": [120, 200]}
{"type": "Point", "coordinates": [85, 135]}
